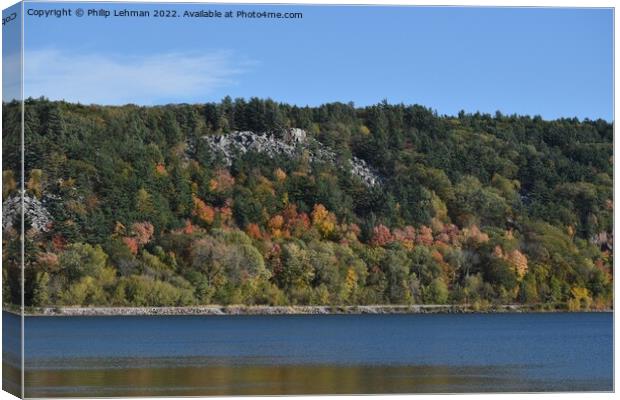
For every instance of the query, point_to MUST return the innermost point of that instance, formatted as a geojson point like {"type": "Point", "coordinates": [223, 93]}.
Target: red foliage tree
{"type": "Point", "coordinates": [425, 236]}
{"type": "Point", "coordinates": [381, 235]}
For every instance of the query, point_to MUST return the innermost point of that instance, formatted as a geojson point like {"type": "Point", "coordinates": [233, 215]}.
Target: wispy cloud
{"type": "Point", "coordinates": [106, 79]}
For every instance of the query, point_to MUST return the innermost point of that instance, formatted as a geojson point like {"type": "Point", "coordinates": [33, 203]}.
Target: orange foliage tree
{"type": "Point", "coordinates": [253, 231]}
{"type": "Point", "coordinates": [275, 225]}
{"type": "Point", "coordinates": [203, 211]}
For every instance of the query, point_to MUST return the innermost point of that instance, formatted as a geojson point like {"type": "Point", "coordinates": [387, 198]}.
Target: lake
{"type": "Point", "coordinates": [310, 354]}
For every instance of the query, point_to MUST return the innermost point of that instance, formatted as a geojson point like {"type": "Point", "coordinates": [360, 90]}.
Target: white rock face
{"type": "Point", "coordinates": [34, 212]}
{"type": "Point", "coordinates": [295, 135]}
{"type": "Point", "coordinates": [293, 143]}
{"type": "Point", "coordinates": [242, 142]}
{"type": "Point", "coordinates": [604, 240]}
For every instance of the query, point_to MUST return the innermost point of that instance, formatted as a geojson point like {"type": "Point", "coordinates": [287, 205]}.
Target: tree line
{"type": "Point", "coordinates": [472, 209]}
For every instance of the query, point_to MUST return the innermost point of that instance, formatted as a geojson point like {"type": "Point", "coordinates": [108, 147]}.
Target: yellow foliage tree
{"type": "Point", "coordinates": [8, 183]}
{"type": "Point", "coordinates": [280, 175]}
{"type": "Point", "coordinates": [35, 183]}
{"type": "Point", "coordinates": [581, 299]}
{"type": "Point", "coordinates": [324, 221]}
{"type": "Point", "coordinates": [350, 283]}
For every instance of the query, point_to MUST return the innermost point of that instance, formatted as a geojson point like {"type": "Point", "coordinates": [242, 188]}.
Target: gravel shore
{"type": "Point", "coordinates": [270, 310]}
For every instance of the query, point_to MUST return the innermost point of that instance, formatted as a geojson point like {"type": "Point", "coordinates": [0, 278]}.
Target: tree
{"type": "Point", "coordinates": [40, 295]}
{"type": "Point", "coordinates": [491, 208]}
{"type": "Point", "coordinates": [36, 182]}
{"type": "Point", "coordinates": [142, 232]}
{"type": "Point", "coordinates": [297, 271]}
{"type": "Point", "coordinates": [208, 256]}
{"type": "Point", "coordinates": [436, 292]}
{"type": "Point", "coordinates": [580, 299]}
{"type": "Point", "coordinates": [397, 267]}
{"type": "Point", "coordinates": [81, 260]}
{"type": "Point", "coordinates": [381, 235]}
{"type": "Point", "coordinates": [323, 220]}
{"type": "Point", "coordinates": [275, 226]}
{"type": "Point", "coordinates": [203, 211]}
{"type": "Point", "coordinates": [8, 183]}
{"type": "Point", "coordinates": [144, 202]}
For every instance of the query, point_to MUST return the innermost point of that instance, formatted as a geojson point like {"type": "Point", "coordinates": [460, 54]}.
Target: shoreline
{"type": "Point", "coordinates": [218, 310]}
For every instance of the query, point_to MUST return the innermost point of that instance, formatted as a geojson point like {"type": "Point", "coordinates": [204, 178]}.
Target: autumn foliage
{"type": "Point", "coordinates": [469, 209]}
{"type": "Point", "coordinates": [203, 212]}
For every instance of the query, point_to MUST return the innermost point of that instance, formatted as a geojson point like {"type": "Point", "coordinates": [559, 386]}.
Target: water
{"type": "Point", "coordinates": [343, 354]}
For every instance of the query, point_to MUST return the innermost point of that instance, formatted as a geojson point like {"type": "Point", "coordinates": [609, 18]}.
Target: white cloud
{"type": "Point", "coordinates": [95, 78]}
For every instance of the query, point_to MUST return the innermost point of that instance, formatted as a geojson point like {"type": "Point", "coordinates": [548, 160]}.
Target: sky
{"type": "Point", "coordinates": [11, 47]}
{"type": "Point", "coordinates": [537, 61]}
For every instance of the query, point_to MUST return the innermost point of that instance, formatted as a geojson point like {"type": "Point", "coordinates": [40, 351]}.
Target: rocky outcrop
{"type": "Point", "coordinates": [36, 215]}
{"type": "Point", "coordinates": [295, 135]}
{"type": "Point", "coordinates": [604, 240]}
{"type": "Point", "coordinates": [233, 144]}
{"type": "Point", "coordinates": [293, 143]}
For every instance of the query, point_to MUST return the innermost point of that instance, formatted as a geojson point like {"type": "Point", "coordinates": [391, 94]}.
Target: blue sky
{"type": "Point", "coordinates": [550, 62]}
{"type": "Point", "coordinates": [11, 47]}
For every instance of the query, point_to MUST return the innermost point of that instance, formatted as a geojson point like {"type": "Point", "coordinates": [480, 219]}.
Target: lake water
{"type": "Point", "coordinates": [338, 354]}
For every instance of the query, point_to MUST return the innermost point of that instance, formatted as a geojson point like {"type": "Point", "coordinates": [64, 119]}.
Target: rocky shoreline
{"type": "Point", "coordinates": [215, 310]}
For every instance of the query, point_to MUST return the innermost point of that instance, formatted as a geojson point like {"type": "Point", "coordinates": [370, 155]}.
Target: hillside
{"type": "Point", "coordinates": [260, 203]}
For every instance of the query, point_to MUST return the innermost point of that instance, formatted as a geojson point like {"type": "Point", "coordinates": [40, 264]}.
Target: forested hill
{"type": "Point", "coordinates": [171, 205]}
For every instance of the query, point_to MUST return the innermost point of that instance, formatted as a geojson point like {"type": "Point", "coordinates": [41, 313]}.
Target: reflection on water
{"type": "Point", "coordinates": [338, 354]}
{"type": "Point", "coordinates": [11, 379]}
{"type": "Point", "coordinates": [11, 353]}
{"type": "Point", "coordinates": [283, 380]}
